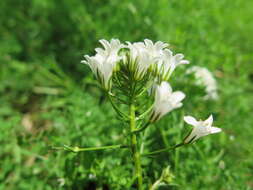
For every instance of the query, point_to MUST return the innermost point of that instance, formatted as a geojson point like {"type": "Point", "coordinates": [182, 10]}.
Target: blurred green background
{"type": "Point", "coordinates": [47, 98]}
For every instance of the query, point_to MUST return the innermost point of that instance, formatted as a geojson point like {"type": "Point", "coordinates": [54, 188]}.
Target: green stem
{"type": "Point", "coordinates": [145, 113]}
{"type": "Point", "coordinates": [77, 149]}
{"type": "Point", "coordinates": [120, 113]}
{"type": "Point", "coordinates": [155, 185]}
{"type": "Point", "coordinates": [163, 150]}
{"type": "Point", "coordinates": [134, 147]}
{"type": "Point", "coordinates": [142, 128]}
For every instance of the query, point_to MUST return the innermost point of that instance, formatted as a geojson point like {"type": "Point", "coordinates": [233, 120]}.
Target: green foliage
{"type": "Point", "coordinates": [48, 99]}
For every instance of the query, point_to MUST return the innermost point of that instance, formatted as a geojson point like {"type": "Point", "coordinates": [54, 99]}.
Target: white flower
{"type": "Point", "coordinates": [165, 101]}
{"type": "Point", "coordinates": [205, 77]}
{"type": "Point", "coordinates": [104, 62]}
{"type": "Point", "coordinates": [143, 55]}
{"type": "Point", "coordinates": [200, 128]}
{"type": "Point", "coordinates": [160, 57]}
{"type": "Point", "coordinates": [140, 59]}
{"type": "Point", "coordinates": [155, 49]}
{"type": "Point", "coordinates": [167, 63]}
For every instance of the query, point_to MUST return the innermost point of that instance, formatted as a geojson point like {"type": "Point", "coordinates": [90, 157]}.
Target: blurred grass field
{"type": "Point", "coordinates": [49, 99]}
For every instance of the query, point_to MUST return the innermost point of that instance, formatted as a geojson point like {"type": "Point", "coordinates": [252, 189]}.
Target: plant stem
{"type": "Point", "coordinates": [163, 150]}
{"type": "Point", "coordinates": [77, 149]}
{"type": "Point", "coordinates": [120, 113]}
{"type": "Point", "coordinates": [155, 185]}
{"type": "Point", "coordinates": [142, 128]}
{"type": "Point", "coordinates": [134, 147]}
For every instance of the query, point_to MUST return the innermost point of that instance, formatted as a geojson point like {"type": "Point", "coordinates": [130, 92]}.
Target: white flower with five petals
{"type": "Point", "coordinates": [144, 55]}
{"type": "Point", "coordinates": [167, 63]}
{"type": "Point", "coordinates": [165, 101]}
{"type": "Point", "coordinates": [200, 128]}
{"type": "Point", "coordinates": [104, 62]}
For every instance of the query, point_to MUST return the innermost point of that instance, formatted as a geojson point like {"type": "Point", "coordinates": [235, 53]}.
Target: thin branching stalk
{"type": "Point", "coordinates": [134, 147]}
{"type": "Point", "coordinates": [78, 149]}
{"type": "Point", "coordinates": [163, 150]}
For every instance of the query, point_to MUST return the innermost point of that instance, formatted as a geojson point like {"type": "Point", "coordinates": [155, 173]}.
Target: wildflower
{"type": "Point", "coordinates": [200, 128]}
{"type": "Point", "coordinates": [205, 77]}
{"type": "Point", "coordinates": [140, 59]}
{"type": "Point", "coordinates": [167, 63]}
{"type": "Point", "coordinates": [104, 62]}
{"type": "Point", "coordinates": [165, 101]}
{"type": "Point", "coordinates": [144, 55]}
{"type": "Point", "coordinates": [155, 49]}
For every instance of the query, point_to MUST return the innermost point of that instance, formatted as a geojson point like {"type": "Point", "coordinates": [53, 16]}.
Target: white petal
{"type": "Point", "coordinates": [209, 121]}
{"type": "Point", "coordinates": [178, 105]}
{"type": "Point", "coordinates": [191, 120]}
{"type": "Point", "coordinates": [148, 42]}
{"type": "Point", "coordinates": [99, 50]}
{"type": "Point", "coordinates": [84, 61]}
{"type": "Point", "coordinates": [179, 56]}
{"type": "Point", "coordinates": [178, 96]}
{"type": "Point", "coordinates": [160, 45]}
{"type": "Point", "coordinates": [167, 54]}
{"type": "Point", "coordinates": [105, 44]}
{"type": "Point", "coordinates": [115, 43]}
{"type": "Point", "coordinates": [164, 89]}
{"type": "Point", "coordinates": [215, 130]}
{"type": "Point", "coordinates": [183, 62]}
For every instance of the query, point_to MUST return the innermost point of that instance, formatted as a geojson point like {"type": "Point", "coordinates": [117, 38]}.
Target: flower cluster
{"type": "Point", "coordinates": [144, 59]}
{"type": "Point", "coordinates": [141, 56]}
{"type": "Point", "coordinates": [155, 55]}
{"type": "Point", "coordinates": [205, 77]}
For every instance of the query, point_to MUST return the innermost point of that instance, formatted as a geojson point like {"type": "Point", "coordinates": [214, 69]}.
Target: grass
{"type": "Point", "coordinates": [48, 99]}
